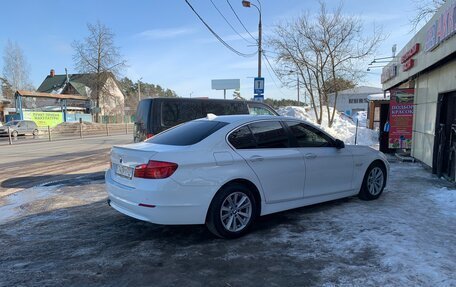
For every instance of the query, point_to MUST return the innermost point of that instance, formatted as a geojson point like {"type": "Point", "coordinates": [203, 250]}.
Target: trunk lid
{"type": "Point", "coordinates": [124, 159]}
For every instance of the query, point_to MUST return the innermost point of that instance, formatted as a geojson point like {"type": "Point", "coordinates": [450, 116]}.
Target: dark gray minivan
{"type": "Point", "coordinates": [158, 114]}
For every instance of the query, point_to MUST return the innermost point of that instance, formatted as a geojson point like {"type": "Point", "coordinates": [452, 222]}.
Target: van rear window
{"type": "Point", "coordinates": [188, 133]}
{"type": "Point", "coordinates": [142, 113]}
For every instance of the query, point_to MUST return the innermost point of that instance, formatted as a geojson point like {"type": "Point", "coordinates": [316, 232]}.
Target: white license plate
{"type": "Point", "coordinates": [124, 171]}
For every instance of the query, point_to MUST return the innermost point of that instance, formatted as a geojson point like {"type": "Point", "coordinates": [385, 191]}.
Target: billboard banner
{"type": "Point", "coordinates": [44, 119]}
{"type": "Point", "coordinates": [401, 118]}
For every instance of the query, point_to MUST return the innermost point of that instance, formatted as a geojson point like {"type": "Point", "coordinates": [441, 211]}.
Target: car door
{"type": "Point", "coordinates": [329, 170]}
{"type": "Point", "coordinates": [265, 145]}
{"type": "Point", "coordinates": [28, 128]}
{"type": "Point", "coordinates": [21, 127]}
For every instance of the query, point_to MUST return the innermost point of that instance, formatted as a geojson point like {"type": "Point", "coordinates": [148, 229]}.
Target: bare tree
{"type": "Point", "coordinates": [326, 50]}
{"type": "Point", "coordinates": [98, 55]}
{"type": "Point", "coordinates": [16, 70]}
{"type": "Point", "coordinates": [424, 9]}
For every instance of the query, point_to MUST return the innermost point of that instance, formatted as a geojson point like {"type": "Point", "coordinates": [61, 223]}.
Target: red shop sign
{"type": "Point", "coordinates": [410, 53]}
{"type": "Point", "coordinates": [408, 65]}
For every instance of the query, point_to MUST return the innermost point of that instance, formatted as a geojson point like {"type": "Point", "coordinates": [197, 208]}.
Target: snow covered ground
{"type": "Point", "coordinates": [66, 235]}
{"type": "Point", "coordinates": [344, 128]}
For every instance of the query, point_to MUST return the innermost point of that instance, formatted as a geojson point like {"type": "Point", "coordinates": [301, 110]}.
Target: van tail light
{"type": "Point", "coordinates": [155, 169]}
{"type": "Point", "coordinates": [149, 136]}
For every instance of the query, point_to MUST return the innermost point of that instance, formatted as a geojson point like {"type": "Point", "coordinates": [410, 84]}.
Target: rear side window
{"type": "Point", "coordinates": [224, 108]}
{"type": "Point", "coordinates": [174, 112]}
{"type": "Point", "coordinates": [269, 135]}
{"type": "Point", "coordinates": [242, 138]}
{"type": "Point", "coordinates": [188, 133]}
{"type": "Point", "coordinates": [260, 111]}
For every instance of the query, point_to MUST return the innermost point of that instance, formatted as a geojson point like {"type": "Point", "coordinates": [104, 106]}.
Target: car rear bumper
{"type": "Point", "coordinates": [167, 204]}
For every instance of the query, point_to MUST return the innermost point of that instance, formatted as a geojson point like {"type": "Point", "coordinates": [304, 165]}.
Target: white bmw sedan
{"type": "Point", "coordinates": [226, 171]}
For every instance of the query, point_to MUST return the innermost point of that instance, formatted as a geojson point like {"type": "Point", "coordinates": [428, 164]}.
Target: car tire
{"type": "Point", "coordinates": [35, 132]}
{"type": "Point", "coordinates": [232, 211]}
{"type": "Point", "coordinates": [373, 183]}
{"type": "Point", "coordinates": [14, 134]}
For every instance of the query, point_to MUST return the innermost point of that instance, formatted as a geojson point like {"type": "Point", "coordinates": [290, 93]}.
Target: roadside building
{"type": "Point", "coordinates": [425, 71]}
{"type": "Point", "coordinates": [3, 105]}
{"type": "Point", "coordinates": [353, 100]}
{"type": "Point", "coordinates": [111, 95]}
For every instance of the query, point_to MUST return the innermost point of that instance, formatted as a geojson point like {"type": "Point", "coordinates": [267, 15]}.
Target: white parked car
{"type": "Point", "coordinates": [228, 170]}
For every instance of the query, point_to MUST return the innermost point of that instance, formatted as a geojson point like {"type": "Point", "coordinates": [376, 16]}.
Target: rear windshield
{"type": "Point", "coordinates": [187, 134]}
{"type": "Point", "coordinates": [142, 112]}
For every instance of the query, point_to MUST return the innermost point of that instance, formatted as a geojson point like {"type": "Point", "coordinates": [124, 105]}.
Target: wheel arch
{"type": "Point", "coordinates": [382, 165]}
{"type": "Point", "coordinates": [247, 183]}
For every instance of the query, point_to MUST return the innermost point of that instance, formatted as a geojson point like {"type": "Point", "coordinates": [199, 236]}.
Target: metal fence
{"type": "Point", "coordinates": [68, 131]}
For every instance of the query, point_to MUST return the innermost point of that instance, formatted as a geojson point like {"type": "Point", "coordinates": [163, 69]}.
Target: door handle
{"type": "Point", "coordinates": [310, 155]}
{"type": "Point", "coordinates": [256, 158]}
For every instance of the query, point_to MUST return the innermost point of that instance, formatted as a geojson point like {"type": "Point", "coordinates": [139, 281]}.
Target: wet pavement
{"type": "Point", "coordinates": [66, 235]}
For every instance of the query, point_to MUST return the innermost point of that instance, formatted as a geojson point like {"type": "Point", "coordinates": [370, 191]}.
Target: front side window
{"type": "Point", "coordinates": [269, 134]}
{"type": "Point", "coordinates": [188, 133]}
{"type": "Point", "coordinates": [307, 136]}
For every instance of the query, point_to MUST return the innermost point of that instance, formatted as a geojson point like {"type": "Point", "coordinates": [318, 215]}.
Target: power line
{"type": "Point", "coordinates": [232, 9]}
{"type": "Point", "coordinates": [269, 72]}
{"type": "Point", "coordinates": [217, 36]}
{"type": "Point", "coordinates": [269, 63]}
{"type": "Point", "coordinates": [229, 24]}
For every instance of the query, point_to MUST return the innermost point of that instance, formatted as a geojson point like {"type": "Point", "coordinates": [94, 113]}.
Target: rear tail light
{"type": "Point", "coordinates": [155, 169]}
{"type": "Point", "coordinates": [149, 136]}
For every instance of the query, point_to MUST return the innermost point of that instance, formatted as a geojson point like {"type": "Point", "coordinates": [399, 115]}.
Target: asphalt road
{"type": "Point", "coordinates": [66, 235]}
{"type": "Point", "coordinates": [33, 163]}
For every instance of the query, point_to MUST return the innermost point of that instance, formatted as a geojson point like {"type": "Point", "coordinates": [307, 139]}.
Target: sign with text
{"type": "Point", "coordinates": [443, 27]}
{"type": "Point", "coordinates": [44, 119]}
{"type": "Point", "coordinates": [401, 118]}
{"type": "Point", "coordinates": [258, 86]}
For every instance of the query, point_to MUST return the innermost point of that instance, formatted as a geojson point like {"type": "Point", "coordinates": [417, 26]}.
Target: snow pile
{"type": "Point", "coordinates": [343, 127]}
{"type": "Point", "coordinates": [361, 117]}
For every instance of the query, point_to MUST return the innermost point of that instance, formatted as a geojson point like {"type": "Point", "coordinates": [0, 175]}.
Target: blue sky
{"type": "Point", "coordinates": [165, 43]}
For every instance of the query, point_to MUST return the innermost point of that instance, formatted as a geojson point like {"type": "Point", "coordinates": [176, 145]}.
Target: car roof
{"type": "Point", "coordinates": [248, 118]}
{"type": "Point", "coordinates": [241, 119]}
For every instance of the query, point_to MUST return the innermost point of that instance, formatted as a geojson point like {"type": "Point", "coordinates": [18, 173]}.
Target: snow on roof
{"type": "Point", "coordinates": [379, 97]}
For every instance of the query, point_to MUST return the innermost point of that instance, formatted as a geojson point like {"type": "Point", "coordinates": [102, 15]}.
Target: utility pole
{"type": "Point", "coordinates": [297, 80]}
{"type": "Point", "coordinates": [259, 90]}
{"type": "Point", "coordinates": [139, 89]}
{"type": "Point", "coordinates": [248, 4]}
{"type": "Point", "coordinates": [259, 45]}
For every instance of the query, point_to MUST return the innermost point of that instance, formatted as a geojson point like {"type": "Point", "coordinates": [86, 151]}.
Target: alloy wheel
{"type": "Point", "coordinates": [236, 211]}
{"type": "Point", "coordinates": [375, 181]}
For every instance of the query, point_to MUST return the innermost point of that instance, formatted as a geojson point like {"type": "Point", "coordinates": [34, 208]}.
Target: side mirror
{"type": "Point", "coordinates": [339, 144]}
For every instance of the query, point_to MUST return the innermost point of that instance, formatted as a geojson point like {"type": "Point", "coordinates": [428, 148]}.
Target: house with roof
{"type": "Point", "coordinates": [353, 100]}
{"type": "Point", "coordinates": [111, 100]}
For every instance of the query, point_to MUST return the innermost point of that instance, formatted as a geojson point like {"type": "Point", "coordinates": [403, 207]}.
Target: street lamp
{"type": "Point", "coordinates": [247, 4]}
